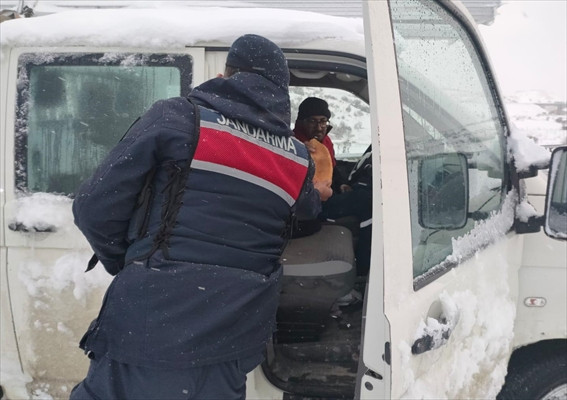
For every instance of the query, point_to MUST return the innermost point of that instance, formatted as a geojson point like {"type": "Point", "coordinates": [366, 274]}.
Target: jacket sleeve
{"type": "Point", "coordinates": [105, 203]}
{"type": "Point", "coordinates": [308, 205]}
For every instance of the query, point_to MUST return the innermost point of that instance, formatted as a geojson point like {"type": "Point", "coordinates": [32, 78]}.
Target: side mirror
{"type": "Point", "coordinates": [443, 197]}
{"type": "Point", "coordinates": [556, 198]}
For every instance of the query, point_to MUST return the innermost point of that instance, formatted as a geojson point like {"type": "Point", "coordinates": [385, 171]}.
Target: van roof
{"type": "Point", "coordinates": [173, 28]}
{"type": "Point", "coordinates": [483, 11]}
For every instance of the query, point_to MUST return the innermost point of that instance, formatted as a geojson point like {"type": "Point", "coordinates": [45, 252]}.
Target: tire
{"type": "Point", "coordinates": [538, 374]}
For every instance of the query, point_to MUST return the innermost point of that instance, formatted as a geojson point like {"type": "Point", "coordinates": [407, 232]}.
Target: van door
{"type": "Point", "coordinates": [443, 257]}
{"type": "Point", "coordinates": [64, 110]}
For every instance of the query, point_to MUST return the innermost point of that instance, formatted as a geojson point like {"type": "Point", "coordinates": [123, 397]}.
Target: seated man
{"type": "Point", "coordinates": [313, 122]}
{"type": "Point", "coordinates": [312, 126]}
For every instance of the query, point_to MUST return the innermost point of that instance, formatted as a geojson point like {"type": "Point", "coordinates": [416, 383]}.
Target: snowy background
{"type": "Point", "coordinates": [527, 43]}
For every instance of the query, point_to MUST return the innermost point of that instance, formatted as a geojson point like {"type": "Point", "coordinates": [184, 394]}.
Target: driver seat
{"type": "Point", "coordinates": [317, 270]}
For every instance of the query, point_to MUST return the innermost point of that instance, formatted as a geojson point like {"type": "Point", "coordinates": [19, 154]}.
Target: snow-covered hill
{"type": "Point", "coordinates": [539, 117]}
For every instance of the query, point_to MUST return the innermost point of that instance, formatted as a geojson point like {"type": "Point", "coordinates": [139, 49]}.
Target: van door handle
{"type": "Point", "coordinates": [432, 340]}
{"type": "Point", "coordinates": [20, 227]}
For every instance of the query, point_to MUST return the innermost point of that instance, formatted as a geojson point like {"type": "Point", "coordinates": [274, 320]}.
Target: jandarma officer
{"type": "Point", "coordinates": [190, 215]}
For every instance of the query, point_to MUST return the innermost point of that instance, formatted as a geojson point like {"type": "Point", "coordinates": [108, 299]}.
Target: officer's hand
{"type": "Point", "coordinates": [324, 189]}
{"type": "Point", "coordinates": [310, 146]}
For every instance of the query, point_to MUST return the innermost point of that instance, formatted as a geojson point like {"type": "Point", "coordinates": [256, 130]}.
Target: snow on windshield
{"type": "Point", "coordinates": [485, 231]}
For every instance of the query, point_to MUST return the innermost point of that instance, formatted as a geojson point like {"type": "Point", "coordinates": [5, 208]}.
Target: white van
{"type": "Point", "coordinates": [464, 293]}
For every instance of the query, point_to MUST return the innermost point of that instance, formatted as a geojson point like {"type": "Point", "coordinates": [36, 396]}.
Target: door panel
{"type": "Point", "coordinates": [449, 294]}
{"type": "Point", "coordinates": [388, 189]}
{"type": "Point", "coordinates": [53, 303]}
{"type": "Point", "coordinates": [64, 114]}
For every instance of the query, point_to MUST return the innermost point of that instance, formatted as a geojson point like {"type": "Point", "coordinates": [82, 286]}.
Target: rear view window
{"type": "Point", "coordinates": [72, 109]}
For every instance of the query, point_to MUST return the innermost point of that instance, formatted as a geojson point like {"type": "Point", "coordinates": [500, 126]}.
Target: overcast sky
{"type": "Point", "coordinates": [528, 46]}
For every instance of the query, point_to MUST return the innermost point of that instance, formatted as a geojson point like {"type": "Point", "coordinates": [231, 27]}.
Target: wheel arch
{"type": "Point", "coordinates": [536, 350]}
{"type": "Point", "coordinates": [535, 370]}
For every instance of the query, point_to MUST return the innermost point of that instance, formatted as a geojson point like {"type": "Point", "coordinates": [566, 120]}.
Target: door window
{"type": "Point", "coordinates": [72, 109]}
{"type": "Point", "coordinates": [448, 107]}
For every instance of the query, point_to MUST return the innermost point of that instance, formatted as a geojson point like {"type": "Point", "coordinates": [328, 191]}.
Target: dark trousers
{"type": "Point", "coordinates": [108, 379]}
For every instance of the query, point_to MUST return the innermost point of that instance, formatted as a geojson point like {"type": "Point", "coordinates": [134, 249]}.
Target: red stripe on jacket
{"type": "Point", "coordinates": [223, 148]}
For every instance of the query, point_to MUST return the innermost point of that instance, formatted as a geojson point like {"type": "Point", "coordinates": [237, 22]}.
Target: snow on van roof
{"type": "Point", "coordinates": [176, 27]}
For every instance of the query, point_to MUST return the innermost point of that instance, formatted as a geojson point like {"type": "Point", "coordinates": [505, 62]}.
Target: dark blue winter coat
{"type": "Point", "coordinates": [196, 250]}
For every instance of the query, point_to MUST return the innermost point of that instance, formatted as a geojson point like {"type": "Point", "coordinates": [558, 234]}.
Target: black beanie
{"type": "Point", "coordinates": [259, 55]}
{"type": "Point", "coordinates": [313, 106]}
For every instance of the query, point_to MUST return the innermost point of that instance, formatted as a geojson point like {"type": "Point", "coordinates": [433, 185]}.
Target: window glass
{"type": "Point", "coordinates": [72, 109]}
{"type": "Point", "coordinates": [448, 107]}
{"type": "Point", "coordinates": [557, 198]}
{"type": "Point", "coordinates": [350, 119]}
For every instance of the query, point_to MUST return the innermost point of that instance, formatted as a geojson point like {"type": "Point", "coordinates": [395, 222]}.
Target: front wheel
{"type": "Point", "coordinates": [536, 375]}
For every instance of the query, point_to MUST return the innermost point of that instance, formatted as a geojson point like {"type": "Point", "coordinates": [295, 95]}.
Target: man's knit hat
{"type": "Point", "coordinates": [257, 54]}
{"type": "Point", "coordinates": [313, 106]}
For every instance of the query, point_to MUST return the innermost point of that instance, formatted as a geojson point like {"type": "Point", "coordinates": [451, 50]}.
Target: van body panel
{"type": "Point", "coordinates": [492, 264]}
{"type": "Point", "coordinates": [48, 319]}
{"type": "Point", "coordinates": [382, 79]}
{"type": "Point", "coordinates": [542, 296]}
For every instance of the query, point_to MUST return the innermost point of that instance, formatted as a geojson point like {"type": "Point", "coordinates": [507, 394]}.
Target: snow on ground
{"type": "Point", "coordinates": [534, 121]}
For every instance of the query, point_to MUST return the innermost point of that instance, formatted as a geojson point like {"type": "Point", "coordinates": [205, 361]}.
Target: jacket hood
{"type": "Point", "coordinates": [248, 97]}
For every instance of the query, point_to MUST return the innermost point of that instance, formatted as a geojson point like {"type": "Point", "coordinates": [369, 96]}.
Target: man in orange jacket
{"type": "Point", "coordinates": [313, 122]}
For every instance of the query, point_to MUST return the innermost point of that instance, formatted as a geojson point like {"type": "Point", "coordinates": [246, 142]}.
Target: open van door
{"type": "Point", "coordinates": [442, 288]}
